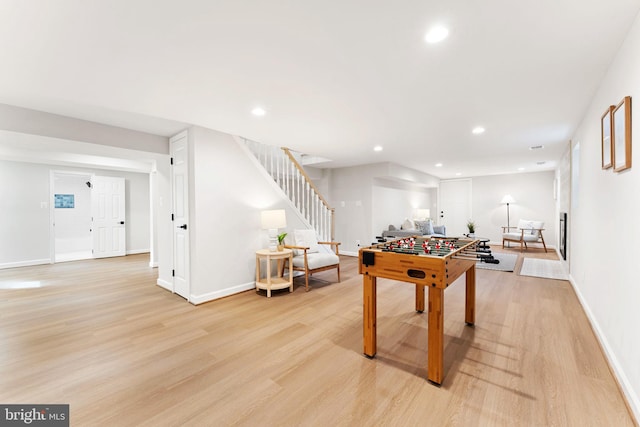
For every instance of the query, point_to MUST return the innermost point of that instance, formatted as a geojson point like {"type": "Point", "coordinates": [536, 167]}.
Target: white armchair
{"type": "Point", "coordinates": [526, 232]}
{"type": "Point", "coordinates": [311, 256]}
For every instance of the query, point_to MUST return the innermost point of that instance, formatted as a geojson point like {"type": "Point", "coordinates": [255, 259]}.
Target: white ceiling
{"type": "Point", "coordinates": [335, 77]}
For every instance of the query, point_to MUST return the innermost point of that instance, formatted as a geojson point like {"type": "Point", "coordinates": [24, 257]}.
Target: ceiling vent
{"type": "Point", "coordinates": [536, 147]}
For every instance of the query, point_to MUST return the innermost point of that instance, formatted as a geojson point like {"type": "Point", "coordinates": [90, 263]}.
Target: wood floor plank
{"type": "Point", "coordinates": [101, 336]}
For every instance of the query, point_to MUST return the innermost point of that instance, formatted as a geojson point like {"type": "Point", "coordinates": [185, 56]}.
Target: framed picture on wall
{"type": "Point", "coordinates": [64, 201]}
{"type": "Point", "coordinates": [607, 149]}
{"type": "Point", "coordinates": [621, 135]}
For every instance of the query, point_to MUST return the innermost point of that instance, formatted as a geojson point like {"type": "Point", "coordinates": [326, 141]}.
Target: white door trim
{"type": "Point", "coordinates": [52, 211]}
{"type": "Point", "coordinates": [452, 230]}
{"type": "Point", "coordinates": [180, 224]}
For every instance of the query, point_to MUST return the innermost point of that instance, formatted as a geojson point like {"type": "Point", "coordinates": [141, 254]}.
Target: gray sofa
{"type": "Point", "coordinates": [392, 231]}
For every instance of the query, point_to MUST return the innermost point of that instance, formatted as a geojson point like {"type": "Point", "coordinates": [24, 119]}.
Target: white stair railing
{"type": "Point", "coordinates": [288, 173]}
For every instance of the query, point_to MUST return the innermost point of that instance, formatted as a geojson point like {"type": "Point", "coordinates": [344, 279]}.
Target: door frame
{"type": "Point", "coordinates": [187, 261]}
{"type": "Point", "coordinates": [469, 201]}
{"type": "Point", "coordinates": [114, 226]}
{"type": "Point", "coordinates": [52, 208]}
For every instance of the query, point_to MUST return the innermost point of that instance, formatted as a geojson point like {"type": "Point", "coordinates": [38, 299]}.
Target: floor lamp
{"type": "Point", "coordinates": [508, 200]}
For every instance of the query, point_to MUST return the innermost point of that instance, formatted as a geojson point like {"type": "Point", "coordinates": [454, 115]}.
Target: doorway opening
{"type": "Point", "coordinates": [87, 216]}
{"type": "Point", "coordinates": [71, 216]}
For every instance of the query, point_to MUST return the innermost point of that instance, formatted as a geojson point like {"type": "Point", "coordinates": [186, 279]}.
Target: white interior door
{"type": "Point", "coordinates": [455, 206]}
{"type": "Point", "coordinates": [180, 185]}
{"type": "Point", "coordinates": [108, 215]}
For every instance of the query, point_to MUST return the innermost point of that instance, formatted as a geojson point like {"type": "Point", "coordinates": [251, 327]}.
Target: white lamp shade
{"type": "Point", "coordinates": [508, 199]}
{"type": "Point", "coordinates": [273, 219]}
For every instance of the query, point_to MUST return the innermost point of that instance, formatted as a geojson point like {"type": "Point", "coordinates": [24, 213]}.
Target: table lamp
{"type": "Point", "coordinates": [272, 220]}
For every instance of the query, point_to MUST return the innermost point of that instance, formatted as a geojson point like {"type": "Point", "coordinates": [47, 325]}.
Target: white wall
{"type": "Point", "coordinates": [24, 213]}
{"type": "Point", "coordinates": [25, 199]}
{"type": "Point", "coordinates": [351, 194]}
{"type": "Point", "coordinates": [367, 199]}
{"type": "Point", "coordinates": [228, 192]}
{"type": "Point", "coordinates": [33, 122]}
{"type": "Point", "coordinates": [29, 137]}
{"type": "Point", "coordinates": [394, 201]}
{"type": "Point", "coordinates": [534, 197]}
{"type": "Point", "coordinates": [360, 195]}
{"type": "Point", "coordinates": [605, 227]}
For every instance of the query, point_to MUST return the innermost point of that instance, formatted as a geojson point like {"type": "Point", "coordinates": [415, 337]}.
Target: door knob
{"type": "Point", "coordinates": [183, 226]}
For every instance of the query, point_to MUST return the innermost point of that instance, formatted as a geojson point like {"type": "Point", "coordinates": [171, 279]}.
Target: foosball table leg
{"type": "Point", "coordinates": [419, 298]}
{"type": "Point", "coordinates": [369, 315]}
{"type": "Point", "coordinates": [435, 364]}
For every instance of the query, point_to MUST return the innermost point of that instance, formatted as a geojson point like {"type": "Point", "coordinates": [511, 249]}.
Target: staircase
{"type": "Point", "coordinates": [285, 168]}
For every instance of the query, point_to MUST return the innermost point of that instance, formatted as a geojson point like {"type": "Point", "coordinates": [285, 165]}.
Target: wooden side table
{"type": "Point", "coordinates": [277, 282]}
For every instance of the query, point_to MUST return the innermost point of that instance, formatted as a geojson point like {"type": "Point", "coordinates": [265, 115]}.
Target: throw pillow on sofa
{"type": "Point", "coordinates": [408, 225]}
{"type": "Point", "coordinates": [425, 227]}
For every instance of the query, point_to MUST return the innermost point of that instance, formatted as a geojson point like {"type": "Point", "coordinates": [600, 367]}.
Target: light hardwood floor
{"type": "Point", "coordinates": [101, 336]}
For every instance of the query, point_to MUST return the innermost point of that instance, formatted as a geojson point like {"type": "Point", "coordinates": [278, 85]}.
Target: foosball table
{"type": "Point", "coordinates": [427, 262]}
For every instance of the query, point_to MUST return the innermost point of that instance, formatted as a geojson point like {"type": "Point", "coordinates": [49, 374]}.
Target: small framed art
{"type": "Point", "coordinates": [64, 201]}
{"type": "Point", "coordinates": [621, 135]}
{"type": "Point", "coordinates": [607, 149]}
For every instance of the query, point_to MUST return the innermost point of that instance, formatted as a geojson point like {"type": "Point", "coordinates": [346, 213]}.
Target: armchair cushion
{"type": "Point", "coordinates": [516, 236]}
{"type": "Point", "coordinates": [316, 260]}
{"type": "Point", "coordinates": [312, 256]}
{"type": "Point", "coordinates": [306, 238]}
{"type": "Point", "coordinates": [528, 231]}
{"type": "Point", "coordinates": [532, 227]}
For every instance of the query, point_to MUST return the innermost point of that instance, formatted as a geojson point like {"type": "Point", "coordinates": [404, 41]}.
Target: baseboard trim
{"type": "Point", "coordinates": [164, 284]}
{"type": "Point", "coordinates": [348, 253]}
{"type": "Point", "coordinates": [631, 398]}
{"type": "Point", "coordinates": [211, 296]}
{"type": "Point", "coordinates": [25, 263]}
{"type": "Point", "coordinates": [138, 251]}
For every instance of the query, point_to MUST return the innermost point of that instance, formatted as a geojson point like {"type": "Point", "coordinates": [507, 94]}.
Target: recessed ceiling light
{"type": "Point", "coordinates": [477, 130]}
{"type": "Point", "coordinates": [436, 34]}
{"type": "Point", "coordinates": [258, 111]}
{"type": "Point", "coordinates": [377, 148]}
{"type": "Point", "coordinates": [520, 169]}
{"type": "Point", "coordinates": [458, 173]}
{"type": "Point", "coordinates": [438, 165]}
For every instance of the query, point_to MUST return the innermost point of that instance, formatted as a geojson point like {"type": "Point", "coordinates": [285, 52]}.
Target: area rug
{"type": "Point", "coordinates": [507, 262]}
{"type": "Point", "coordinates": [544, 268]}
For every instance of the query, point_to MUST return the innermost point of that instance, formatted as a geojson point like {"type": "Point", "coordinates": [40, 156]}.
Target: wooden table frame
{"type": "Point", "coordinates": [436, 273]}
{"type": "Point", "coordinates": [269, 282]}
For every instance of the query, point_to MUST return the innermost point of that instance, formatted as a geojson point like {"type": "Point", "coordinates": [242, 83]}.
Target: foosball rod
{"type": "Point", "coordinates": [467, 258]}
{"type": "Point", "coordinates": [475, 253]}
